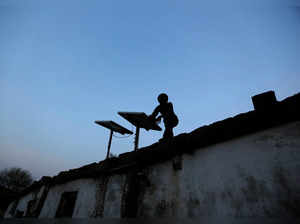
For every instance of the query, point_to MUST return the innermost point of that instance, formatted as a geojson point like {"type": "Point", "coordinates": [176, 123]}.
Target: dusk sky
{"type": "Point", "coordinates": [65, 64]}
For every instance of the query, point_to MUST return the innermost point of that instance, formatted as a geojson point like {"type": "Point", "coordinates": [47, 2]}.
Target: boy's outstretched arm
{"type": "Point", "coordinates": [155, 112]}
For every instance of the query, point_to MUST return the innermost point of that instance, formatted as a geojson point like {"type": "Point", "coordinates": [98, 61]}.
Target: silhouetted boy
{"type": "Point", "coordinates": [165, 108]}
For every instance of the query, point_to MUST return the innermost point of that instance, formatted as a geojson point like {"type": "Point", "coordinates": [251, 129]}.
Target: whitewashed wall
{"type": "Point", "coordinates": [85, 202]}
{"type": "Point", "coordinates": [256, 175]}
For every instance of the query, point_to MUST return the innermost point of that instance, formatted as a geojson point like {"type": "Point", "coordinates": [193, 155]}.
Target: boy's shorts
{"type": "Point", "coordinates": [171, 122]}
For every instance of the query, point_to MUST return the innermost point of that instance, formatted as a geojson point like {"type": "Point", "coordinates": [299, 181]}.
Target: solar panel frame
{"type": "Point", "coordinates": [111, 125]}
{"type": "Point", "coordinates": [140, 119]}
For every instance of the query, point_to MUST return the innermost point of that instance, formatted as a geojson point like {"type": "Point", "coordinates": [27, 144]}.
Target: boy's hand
{"type": "Point", "coordinates": [158, 119]}
{"type": "Point", "coordinates": [151, 117]}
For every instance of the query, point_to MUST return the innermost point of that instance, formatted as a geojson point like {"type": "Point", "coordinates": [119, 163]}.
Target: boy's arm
{"type": "Point", "coordinates": [155, 112]}
{"type": "Point", "coordinates": [158, 119]}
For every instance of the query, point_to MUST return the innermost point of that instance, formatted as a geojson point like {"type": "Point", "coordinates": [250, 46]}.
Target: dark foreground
{"type": "Point", "coordinates": [203, 220]}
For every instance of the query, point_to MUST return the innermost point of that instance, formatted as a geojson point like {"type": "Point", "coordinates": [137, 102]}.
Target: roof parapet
{"type": "Point", "coordinates": [264, 101]}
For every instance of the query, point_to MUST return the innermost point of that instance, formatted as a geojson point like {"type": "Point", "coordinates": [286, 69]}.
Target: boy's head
{"type": "Point", "coordinates": [162, 98]}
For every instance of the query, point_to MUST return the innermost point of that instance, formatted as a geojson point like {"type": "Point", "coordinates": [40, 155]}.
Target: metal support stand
{"type": "Point", "coordinates": [109, 144]}
{"type": "Point", "coordinates": [136, 140]}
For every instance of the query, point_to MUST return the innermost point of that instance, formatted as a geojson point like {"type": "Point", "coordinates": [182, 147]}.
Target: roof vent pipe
{"type": "Point", "coordinates": [264, 101]}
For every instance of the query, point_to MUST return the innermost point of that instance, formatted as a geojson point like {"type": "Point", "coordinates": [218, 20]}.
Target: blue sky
{"type": "Point", "coordinates": [64, 64]}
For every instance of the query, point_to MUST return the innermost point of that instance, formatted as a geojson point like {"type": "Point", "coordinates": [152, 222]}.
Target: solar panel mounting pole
{"type": "Point", "coordinates": [136, 140]}
{"type": "Point", "coordinates": [113, 127]}
{"type": "Point", "coordinates": [139, 120]}
{"type": "Point", "coordinates": [109, 144]}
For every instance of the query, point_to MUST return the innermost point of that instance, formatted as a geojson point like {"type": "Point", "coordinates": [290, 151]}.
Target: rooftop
{"type": "Point", "coordinates": [268, 113]}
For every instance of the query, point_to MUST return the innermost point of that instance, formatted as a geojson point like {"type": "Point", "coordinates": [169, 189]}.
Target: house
{"type": "Point", "coordinates": [6, 197]}
{"type": "Point", "coordinates": [243, 166]}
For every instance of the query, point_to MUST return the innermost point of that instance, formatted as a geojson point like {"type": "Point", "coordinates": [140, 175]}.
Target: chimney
{"type": "Point", "coordinates": [264, 101]}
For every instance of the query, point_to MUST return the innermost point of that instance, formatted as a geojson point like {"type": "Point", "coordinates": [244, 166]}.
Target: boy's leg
{"type": "Point", "coordinates": [168, 133]}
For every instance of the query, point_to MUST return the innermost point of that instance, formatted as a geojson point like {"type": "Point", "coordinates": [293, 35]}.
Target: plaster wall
{"type": "Point", "coordinates": [85, 201]}
{"type": "Point", "coordinates": [256, 175]}
{"type": "Point", "coordinates": [113, 196]}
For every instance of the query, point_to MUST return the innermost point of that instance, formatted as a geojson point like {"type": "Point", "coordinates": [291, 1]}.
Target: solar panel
{"type": "Point", "coordinates": [114, 127]}
{"type": "Point", "coordinates": [141, 120]}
